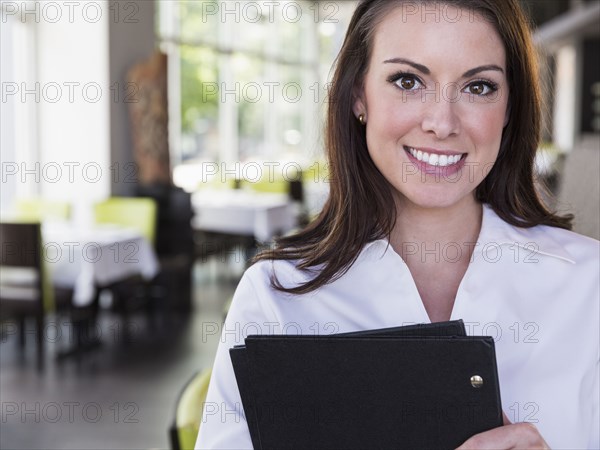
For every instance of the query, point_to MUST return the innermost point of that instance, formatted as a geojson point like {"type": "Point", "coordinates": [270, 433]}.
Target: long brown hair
{"type": "Point", "coordinates": [360, 207]}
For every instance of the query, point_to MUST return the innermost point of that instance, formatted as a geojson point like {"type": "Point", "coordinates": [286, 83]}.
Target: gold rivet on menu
{"type": "Point", "coordinates": [476, 381]}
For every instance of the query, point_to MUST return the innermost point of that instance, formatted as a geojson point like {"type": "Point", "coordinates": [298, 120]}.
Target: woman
{"type": "Point", "coordinates": [431, 135]}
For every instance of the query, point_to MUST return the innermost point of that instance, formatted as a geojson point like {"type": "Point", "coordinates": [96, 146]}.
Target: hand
{"type": "Point", "coordinates": [510, 436]}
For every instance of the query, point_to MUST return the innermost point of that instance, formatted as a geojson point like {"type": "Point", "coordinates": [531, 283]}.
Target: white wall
{"type": "Point", "coordinates": [73, 115]}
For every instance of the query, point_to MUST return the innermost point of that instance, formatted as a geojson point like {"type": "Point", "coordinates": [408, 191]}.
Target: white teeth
{"type": "Point", "coordinates": [434, 159]}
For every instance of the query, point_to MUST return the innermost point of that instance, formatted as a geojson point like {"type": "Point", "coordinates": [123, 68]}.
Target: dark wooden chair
{"type": "Point", "coordinates": [22, 292]}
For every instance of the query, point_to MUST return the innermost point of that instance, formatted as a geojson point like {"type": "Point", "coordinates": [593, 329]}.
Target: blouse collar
{"type": "Point", "coordinates": [495, 232]}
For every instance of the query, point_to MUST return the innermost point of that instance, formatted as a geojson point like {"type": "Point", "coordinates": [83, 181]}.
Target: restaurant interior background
{"type": "Point", "coordinates": [158, 144]}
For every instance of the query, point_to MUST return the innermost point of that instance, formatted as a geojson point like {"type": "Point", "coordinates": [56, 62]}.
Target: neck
{"type": "Point", "coordinates": [420, 229]}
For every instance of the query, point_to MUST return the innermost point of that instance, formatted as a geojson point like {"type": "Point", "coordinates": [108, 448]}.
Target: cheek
{"type": "Point", "coordinates": [388, 117]}
{"type": "Point", "coordinates": [388, 123]}
{"type": "Point", "coordinates": [484, 128]}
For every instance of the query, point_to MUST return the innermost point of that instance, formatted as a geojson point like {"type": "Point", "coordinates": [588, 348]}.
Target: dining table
{"type": "Point", "coordinates": [86, 258]}
{"type": "Point", "coordinates": [260, 215]}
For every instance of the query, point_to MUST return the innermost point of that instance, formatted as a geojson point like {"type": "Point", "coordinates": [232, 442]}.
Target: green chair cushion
{"type": "Point", "coordinates": [39, 209]}
{"type": "Point", "coordinates": [134, 212]}
{"type": "Point", "coordinates": [189, 409]}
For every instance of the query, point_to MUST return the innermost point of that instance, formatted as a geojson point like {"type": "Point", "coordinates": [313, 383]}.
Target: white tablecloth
{"type": "Point", "coordinates": [245, 213]}
{"type": "Point", "coordinates": [84, 259]}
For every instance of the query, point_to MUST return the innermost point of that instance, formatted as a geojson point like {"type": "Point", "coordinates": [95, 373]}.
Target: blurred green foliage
{"type": "Point", "coordinates": [199, 64]}
{"type": "Point", "coordinates": [198, 72]}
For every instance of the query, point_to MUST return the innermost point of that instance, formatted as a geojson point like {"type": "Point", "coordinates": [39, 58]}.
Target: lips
{"type": "Point", "coordinates": [435, 159]}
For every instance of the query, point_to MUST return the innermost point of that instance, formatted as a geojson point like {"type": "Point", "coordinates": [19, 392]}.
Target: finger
{"type": "Point", "coordinates": [496, 439]}
{"type": "Point", "coordinates": [520, 435]}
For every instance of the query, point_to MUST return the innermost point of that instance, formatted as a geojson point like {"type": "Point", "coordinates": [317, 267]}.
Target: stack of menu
{"type": "Point", "coordinates": [423, 386]}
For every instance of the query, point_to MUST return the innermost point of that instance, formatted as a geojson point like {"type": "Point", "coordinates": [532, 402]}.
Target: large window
{"type": "Point", "coordinates": [248, 79]}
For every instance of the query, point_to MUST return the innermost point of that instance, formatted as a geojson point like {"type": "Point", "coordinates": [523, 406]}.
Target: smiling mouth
{"type": "Point", "coordinates": [435, 159]}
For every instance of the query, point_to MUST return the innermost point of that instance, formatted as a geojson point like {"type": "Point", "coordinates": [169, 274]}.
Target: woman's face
{"type": "Point", "coordinates": [435, 101]}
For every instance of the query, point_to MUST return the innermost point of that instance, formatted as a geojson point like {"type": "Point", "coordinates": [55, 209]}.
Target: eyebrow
{"type": "Point", "coordinates": [425, 70]}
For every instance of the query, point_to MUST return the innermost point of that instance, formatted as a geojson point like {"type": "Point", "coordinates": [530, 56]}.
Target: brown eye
{"type": "Point", "coordinates": [481, 88]}
{"type": "Point", "coordinates": [407, 83]}
{"type": "Point", "coordinates": [477, 89]}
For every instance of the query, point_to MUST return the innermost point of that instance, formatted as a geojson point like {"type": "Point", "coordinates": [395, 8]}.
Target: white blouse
{"type": "Point", "coordinates": [535, 290]}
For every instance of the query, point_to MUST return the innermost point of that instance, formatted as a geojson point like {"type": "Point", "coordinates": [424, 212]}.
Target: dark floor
{"type": "Point", "coordinates": [122, 394]}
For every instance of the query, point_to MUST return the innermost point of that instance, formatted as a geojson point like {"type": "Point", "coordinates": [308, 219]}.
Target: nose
{"type": "Point", "coordinates": [440, 118]}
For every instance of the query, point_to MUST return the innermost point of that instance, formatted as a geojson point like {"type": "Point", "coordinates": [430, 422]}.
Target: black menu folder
{"type": "Point", "coordinates": [423, 386]}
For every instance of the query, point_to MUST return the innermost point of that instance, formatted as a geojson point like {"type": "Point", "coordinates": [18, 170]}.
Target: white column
{"type": "Point", "coordinates": [565, 104]}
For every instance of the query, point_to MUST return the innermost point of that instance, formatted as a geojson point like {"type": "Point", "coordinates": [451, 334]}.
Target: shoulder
{"type": "Point", "coordinates": [543, 240]}
{"type": "Point", "coordinates": [568, 245]}
{"type": "Point", "coordinates": [289, 274]}
{"type": "Point", "coordinates": [263, 273]}
{"type": "Point", "coordinates": [260, 280]}
{"type": "Point", "coordinates": [580, 247]}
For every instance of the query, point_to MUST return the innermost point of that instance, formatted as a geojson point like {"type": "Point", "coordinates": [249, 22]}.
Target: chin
{"type": "Point", "coordinates": [435, 198]}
